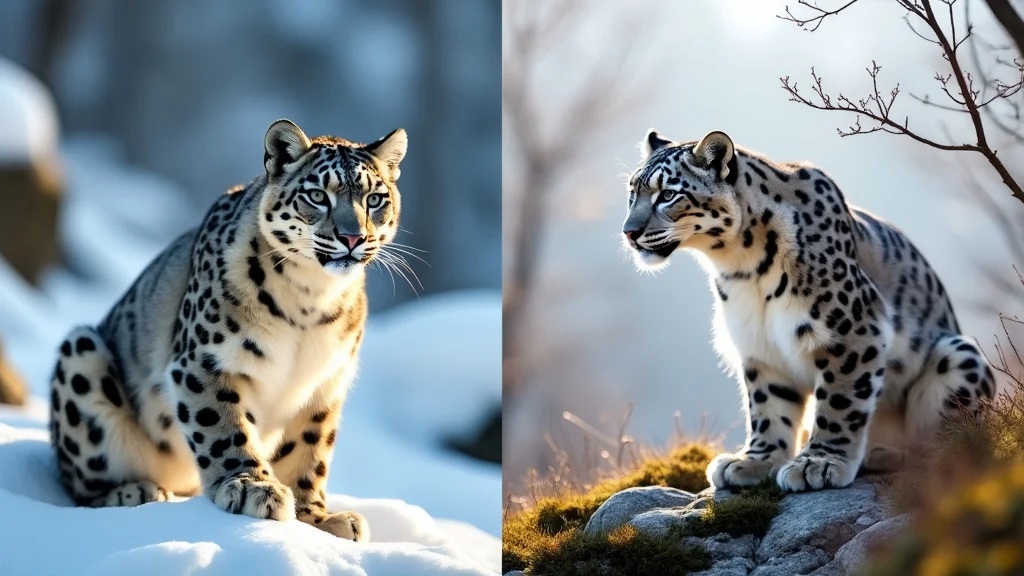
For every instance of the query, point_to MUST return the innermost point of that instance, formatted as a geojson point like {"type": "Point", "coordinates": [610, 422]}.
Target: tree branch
{"type": "Point", "coordinates": [1010, 20]}
{"type": "Point", "coordinates": [878, 108]}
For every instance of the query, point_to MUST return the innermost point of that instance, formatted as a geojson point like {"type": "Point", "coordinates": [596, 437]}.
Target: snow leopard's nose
{"type": "Point", "coordinates": [351, 241]}
{"type": "Point", "coordinates": [633, 234]}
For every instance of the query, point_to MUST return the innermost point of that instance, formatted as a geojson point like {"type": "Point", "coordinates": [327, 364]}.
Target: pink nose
{"type": "Point", "coordinates": [351, 241]}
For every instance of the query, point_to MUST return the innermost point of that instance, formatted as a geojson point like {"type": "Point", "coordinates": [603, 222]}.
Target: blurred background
{"type": "Point", "coordinates": [121, 121]}
{"type": "Point", "coordinates": [599, 357]}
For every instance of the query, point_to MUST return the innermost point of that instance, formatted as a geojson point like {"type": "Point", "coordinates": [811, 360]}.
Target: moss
{"type": "Point", "coordinates": [549, 538]}
{"type": "Point", "coordinates": [625, 551]}
{"type": "Point", "coordinates": [533, 537]}
{"type": "Point", "coordinates": [683, 468]}
{"type": "Point", "coordinates": [749, 512]}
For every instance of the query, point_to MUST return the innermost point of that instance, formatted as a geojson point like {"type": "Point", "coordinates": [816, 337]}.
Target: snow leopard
{"type": "Point", "coordinates": [818, 304]}
{"type": "Point", "coordinates": [224, 367]}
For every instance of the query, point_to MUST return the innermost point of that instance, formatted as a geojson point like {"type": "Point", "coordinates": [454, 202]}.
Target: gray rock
{"type": "Point", "coordinates": [830, 569]}
{"type": "Point", "coordinates": [823, 519]}
{"type": "Point", "coordinates": [801, 561]}
{"type": "Point", "coordinates": [659, 520]}
{"type": "Point", "coordinates": [852, 554]}
{"type": "Point", "coordinates": [623, 506]}
{"type": "Point", "coordinates": [724, 546]}
{"type": "Point", "coordinates": [515, 573]}
{"type": "Point", "coordinates": [729, 567]}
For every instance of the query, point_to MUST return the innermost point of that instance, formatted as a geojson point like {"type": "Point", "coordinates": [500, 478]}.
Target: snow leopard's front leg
{"type": "Point", "coordinates": [224, 438]}
{"type": "Point", "coordinates": [848, 382]}
{"type": "Point", "coordinates": [303, 460]}
{"type": "Point", "coordinates": [775, 410]}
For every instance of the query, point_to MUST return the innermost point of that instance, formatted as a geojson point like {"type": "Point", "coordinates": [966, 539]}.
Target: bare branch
{"type": "Point", "coordinates": [874, 106]}
{"type": "Point", "coordinates": [957, 85]}
{"type": "Point", "coordinates": [819, 14]}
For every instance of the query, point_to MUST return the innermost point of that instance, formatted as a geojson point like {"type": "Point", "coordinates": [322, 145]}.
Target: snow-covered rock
{"type": "Point", "coordinates": [29, 129]}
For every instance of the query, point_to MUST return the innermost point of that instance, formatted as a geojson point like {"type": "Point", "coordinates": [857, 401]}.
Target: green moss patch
{"type": "Point", "coordinates": [748, 512]}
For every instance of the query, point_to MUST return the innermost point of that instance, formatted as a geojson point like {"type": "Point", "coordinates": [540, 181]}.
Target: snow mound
{"type": "Point", "coordinates": [28, 117]}
{"type": "Point", "coordinates": [450, 373]}
{"type": "Point", "coordinates": [195, 537]}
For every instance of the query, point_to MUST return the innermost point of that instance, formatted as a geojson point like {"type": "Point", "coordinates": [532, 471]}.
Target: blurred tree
{"type": "Point", "coordinates": [545, 141]}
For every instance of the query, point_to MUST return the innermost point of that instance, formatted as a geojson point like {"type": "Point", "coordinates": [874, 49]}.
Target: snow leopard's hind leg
{"type": "Point", "coordinates": [956, 380]}
{"type": "Point", "coordinates": [102, 452]}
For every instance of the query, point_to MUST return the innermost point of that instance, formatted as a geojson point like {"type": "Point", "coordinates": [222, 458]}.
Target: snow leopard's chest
{"type": "Point", "coordinates": [754, 325]}
{"type": "Point", "coordinates": [295, 363]}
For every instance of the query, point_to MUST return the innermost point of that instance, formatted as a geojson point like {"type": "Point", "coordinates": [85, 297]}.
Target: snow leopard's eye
{"type": "Point", "coordinates": [374, 200]}
{"type": "Point", "coordinates": [667, 195]}
{"type": "Point", "coordinates": [318, 197]}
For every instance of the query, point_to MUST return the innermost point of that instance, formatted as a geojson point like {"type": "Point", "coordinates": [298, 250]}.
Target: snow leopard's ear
{"type": "Point", "coordinates": [284, 144]}
{"type": "Point", "coordinates": [716, 152]}
{"type": "Point", "coordinates": [651, 143]}
{"type": "Point", "coordinates": [390, 150]}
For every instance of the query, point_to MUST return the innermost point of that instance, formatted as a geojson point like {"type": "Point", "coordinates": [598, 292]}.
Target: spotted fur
{"type": "Point", "coordinates": [815, 299]}
{"type": "Point", "coordinates": [224, 368]}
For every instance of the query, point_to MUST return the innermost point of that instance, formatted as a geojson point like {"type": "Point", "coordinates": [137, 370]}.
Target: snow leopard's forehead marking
{"type": "Point", "coordinates": [338, 166]}
{"type": "Point", "coordinates": [664, 168]}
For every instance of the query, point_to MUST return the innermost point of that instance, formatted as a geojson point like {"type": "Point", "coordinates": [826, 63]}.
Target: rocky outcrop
{"type": "Point", "coordinates": [823, 533]}
{"type": "Point", "coordinates": [30, 184]}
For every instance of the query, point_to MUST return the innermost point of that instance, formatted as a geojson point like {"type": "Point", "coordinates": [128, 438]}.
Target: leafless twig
{"type": "Point", "coordinates": [957, 84]}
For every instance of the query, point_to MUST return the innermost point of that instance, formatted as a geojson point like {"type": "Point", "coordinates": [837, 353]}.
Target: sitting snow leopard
{"type": "Point", "coordinates": [815, 298]}
{"type": "Point", "coordinates": [224, 367]}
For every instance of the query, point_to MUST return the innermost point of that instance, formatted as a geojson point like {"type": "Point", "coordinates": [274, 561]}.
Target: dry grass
{"type": "Point", "coordinates": [967, 491]}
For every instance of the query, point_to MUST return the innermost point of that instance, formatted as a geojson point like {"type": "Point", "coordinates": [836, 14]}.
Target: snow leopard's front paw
{"type": "Point", "coordinates": [815, 473]}
{"type": "Point", "coordinates": [347, 525]}
{"type": "Point", "coordinates": [737, 471]}
{"type": "Point", "coordinates": [245, 494]}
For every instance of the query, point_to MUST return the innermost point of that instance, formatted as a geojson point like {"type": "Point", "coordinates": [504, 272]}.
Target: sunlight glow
{"type": "Point", "coordinates": [750, 19]}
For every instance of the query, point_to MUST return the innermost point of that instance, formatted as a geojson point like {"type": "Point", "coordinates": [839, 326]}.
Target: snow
{"type": "Point", "coordinates": [430, 371]}
{"type": "Point", "coordinates": [193, 535]}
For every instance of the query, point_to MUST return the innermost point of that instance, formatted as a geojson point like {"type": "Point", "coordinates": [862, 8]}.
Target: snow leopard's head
{"type": "Point", "coordinates": [681, 196]}
{"type": "Point", "coordinates": [329, 200]}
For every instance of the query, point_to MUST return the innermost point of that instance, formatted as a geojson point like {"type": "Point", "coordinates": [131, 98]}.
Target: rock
{"type": "Point", "coordinates": [12, 385]}
{"type": "Point", "coordinates": [30, 182]}
{"type": "Point", "coordinates": [830, 569]}
{"type": "Point", "coordinates": [622, 507]}
{"type": "Point", "coordinates": [821, 533]}
{"type": "Point", "coordinates": [660, 520]}
{"type": "Point", "coordinates": [515, 573]}
{"type": "Point", "coordinates": [823, 519]}
{"type": "Point", "coordinates": [730, 567]}
{"type": "Point", "coordinates": [707, 495]}
{"type": "Point", "coordinates": [801, 561]}
{"type": "Point", "coordinates": [724, 546]}
{"type": "Point", "coordinates": [852, 554]}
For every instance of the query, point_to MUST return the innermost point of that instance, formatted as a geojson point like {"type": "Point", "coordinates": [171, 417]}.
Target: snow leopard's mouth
{"type": "Point", "coordinates": [337, 261]}
{"type": "Point", "coordinates": [662, 250]}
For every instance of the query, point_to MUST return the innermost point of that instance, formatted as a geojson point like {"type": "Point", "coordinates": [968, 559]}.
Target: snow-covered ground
{"type": "Point", "coordinates": [430, 370]}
